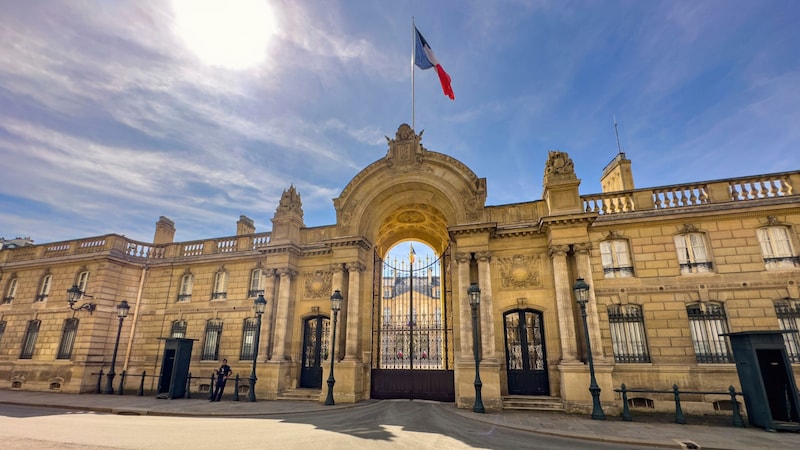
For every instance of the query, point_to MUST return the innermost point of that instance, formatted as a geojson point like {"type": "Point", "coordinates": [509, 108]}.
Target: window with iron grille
{"type": "Point", "coordinates": [616, 258]}
{"type": "Point", "coordinates": [707, 321]}
{"type": "Point", "coordinates": [29, 340]}
{"type": "Point", "coordinates": [776, 248]}
{"type": "Point", "coordinates": [11, 291]}
{"type": "Point", "coordinates": [67, 339]}
{"type": "Point", "coordinates": [211, 344]}
{"type": "Point", "coordinates": [44, 288]}
{"type": "Point", "coordinates": [2, 330]}
{"type": "Point", "coordinates": [628, 337]}
{"type": "Point", "coordinates": [220, 286]}
{"type": "Point", "coordinates": [788, 312]}
{"type": "Point", "coordinates": [256, 283]}
{"type": "Point", "coordinates": [692, 255]}
{"type": "Point", "coordinates": [249, 330]}
{"type": "Point", "coordinates": [185, 294]}
{"type": "Point", "coordinates": [178, 329]}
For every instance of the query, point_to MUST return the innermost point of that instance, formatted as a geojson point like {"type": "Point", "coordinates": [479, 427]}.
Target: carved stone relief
{"type": "Point", "coordinates": [520, 271]}
{"type": "Point", "coordinates": [318, 284]}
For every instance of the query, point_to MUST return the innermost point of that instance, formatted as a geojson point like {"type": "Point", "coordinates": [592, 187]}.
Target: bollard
{"type": "Point", "coordinates": [678, 411]}
{"type": "Point", "coordinates": [236, 389]}
{"type": "Point", "coordinates": [99, 381]}
{"type": "Point", "coordinates": [626, 412]}
{"type": "Point", "coordinates": [141, 385]}
{"type": "Point", "coordinates": [189, 385]}
{"type": "Point", "coordinates": [211, 388]}
{"type": "Point", "coordinates": [121, 383]}
{"type": "Point", "coordinates": [737, 416]}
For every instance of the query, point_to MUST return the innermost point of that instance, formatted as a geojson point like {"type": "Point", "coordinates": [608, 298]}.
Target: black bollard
{"type": "Point", "coordinates": [189, 385]}
{"type": "Point", "coordinates": [99, 381]}
{"type": "Point", "coordinates": [141, 385]}
{"type": "Point", "coordinates": [678, 411]}
{"type": "Point", "coordinates": [626, 412]}
{"type": "Point", "coordinates": [211, 388]}
{"type": "Point", "coordinates": [236, 389]}
{"type": "Point", "coordinates": [121, 383]}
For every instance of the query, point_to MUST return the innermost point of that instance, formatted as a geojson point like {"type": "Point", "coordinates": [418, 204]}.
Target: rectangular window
{"type": "Point", "coordinates": [220, 286]}
{"type": "Point", "coordinates": [616, 259]}
{"type": "Point", "coordinates": [2, 331]}
{"type": "Point", "coordinates": [387, 315]}
{"type": "Point", "coordinates": [185, 293]}
{"type": "Point", "coordinates": [776, 248]}
{"type": "Point", "coordinates": [67, 339]}
{"type": "Point", "coordinates": [83, 281]}
{"type": "Point", "coordinates": [707, 321]}
{"type": "Point", "coordinates": [11, 292]}
{"type": "Point", "coordinates": [249, 330]}
{"type": "Point", "coordinates": [29, 340]}
{"type": "Point", "coordinates": [256, 279]}
{"type": "Point", "coordinates": [44, 288]}
{"type": "Point", "coordinates": [211, 344]}
{"type": "Point", "coordinates": [692, 254]}
{"type": "Point", "coordinates": [628, 338]}
{"type": "Point", "coordinates": [788, 312]}
{"type": "Point", "coordinates": [178, 329]}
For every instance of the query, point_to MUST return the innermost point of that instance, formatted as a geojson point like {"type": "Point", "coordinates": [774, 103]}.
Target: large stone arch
{"type": "Point", "coordinates": [410, 193]}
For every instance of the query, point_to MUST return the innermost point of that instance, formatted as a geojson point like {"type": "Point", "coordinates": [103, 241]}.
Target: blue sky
{"type": "Point", "coordinates": [112, 115]}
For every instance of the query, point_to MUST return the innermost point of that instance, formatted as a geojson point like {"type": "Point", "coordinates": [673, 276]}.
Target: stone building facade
{"type": "Point", "coordinates": [669, 269]}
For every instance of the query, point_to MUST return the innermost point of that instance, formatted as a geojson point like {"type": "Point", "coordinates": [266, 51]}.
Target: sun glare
{"type": "Point", "coordinates": [228, 33]}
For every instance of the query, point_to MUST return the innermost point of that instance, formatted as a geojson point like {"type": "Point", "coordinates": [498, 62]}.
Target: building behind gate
{"type": "Point", "coordinates": [670, 269]}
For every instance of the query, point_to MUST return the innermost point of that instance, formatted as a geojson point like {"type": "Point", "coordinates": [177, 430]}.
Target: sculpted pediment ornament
{"type": "Point", "coordinates": [520, 271]}
{"type": "Point", "coordinates": [559, 166]}
{"type": "Point", "coordinates": [317, 284]}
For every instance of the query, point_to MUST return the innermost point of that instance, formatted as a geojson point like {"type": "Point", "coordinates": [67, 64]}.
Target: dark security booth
{"type": "Point", "coordinates": [768, 384]}
{"type": "Point", "coordinates": [174, 367]}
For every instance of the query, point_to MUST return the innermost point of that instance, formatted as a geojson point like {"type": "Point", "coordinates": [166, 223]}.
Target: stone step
{"type": "Point", "coordinates": [532, 403]}
{"type": "Point", "coordinates": [301, 395]}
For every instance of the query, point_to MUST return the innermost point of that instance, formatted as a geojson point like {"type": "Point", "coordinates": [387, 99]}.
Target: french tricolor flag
{"type": "Point", "coordinates": [425, 59]}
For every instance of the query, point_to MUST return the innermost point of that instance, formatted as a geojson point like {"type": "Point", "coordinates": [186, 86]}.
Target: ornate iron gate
{"type": "Point", "coordinates": [315, 350]}
{"type": "Point", "coordinates": [412, 330]}
{"type": "Point", "coordinates": [526, 361]}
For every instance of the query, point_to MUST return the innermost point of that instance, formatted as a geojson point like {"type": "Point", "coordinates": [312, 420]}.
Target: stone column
{"type": "Point", "coordinates": [283, 326]}
{"type": "Point", "coordinates": [584, 265]}
{"type": "Point", "coordinates": [353, 301]}
{"type": "Point", "coordinates": [268, 325]}
{"type": "Point", "coordinates": [487, 306]}
{"type": "Point", "coordinates": [566, 319]}
{"type": "Point", "coordinates": [462, 302]}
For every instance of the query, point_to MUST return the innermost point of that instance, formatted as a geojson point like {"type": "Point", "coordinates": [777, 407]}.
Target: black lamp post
{"type": "Point", "coordinates": [582, 296]}
{"type": "Point", "coordinates": [122, 313]}
{"type": "Point", "coordinates": [474, 293]}
{"type": "Point", "coordinates": [261, 306]}
{"type": "Point", "coordinates": [74, 294]}
{"type": "Point", "coordinates": [336, 305]}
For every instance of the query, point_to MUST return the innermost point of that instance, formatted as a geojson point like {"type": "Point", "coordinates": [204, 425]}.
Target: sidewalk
{"type": "Point", "coordinates": [613, 430]}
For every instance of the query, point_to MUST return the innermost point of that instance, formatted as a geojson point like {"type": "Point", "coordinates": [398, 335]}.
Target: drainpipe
{"type": "Point", "coordinates": [135, 317]}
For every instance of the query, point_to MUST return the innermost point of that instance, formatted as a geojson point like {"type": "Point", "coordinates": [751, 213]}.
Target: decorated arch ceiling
{"type": "Point", "coordinates": [411, 193]}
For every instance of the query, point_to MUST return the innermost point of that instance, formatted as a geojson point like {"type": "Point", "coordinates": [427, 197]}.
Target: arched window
{"type": "Point", "coordinates": [220, 291]}
{"type": "Point", "coordinates": [692, 254]}
{"type": "Point", "coordinates": [256, 283]}
{"type": "Point", "coordinates": [11, 291]}
{"type": "Point", "coordinates": [616, 258]}
{"type": "Point", "coordinates": [628, 337]}
{"type": "Point", "coordinates": [776, 247]}
{"type": "Point", "coordinates": [185, 294]}
{"type": "Point", "coordinates": [67, 339]}
{"type": "Point", "coordinates": [212, 338]}
{"type": "Point", "coordinates": [29, 340]}
{"type": "Point", "coordinates": [788, 312]}
{"type": "Point", "coordinates": [707, 321]}
{"type": "Point", "coordinates": [178, 329]}
{"type": "Point", "coordinates": [249, 329]}
{"type": "Point", "coordinates": [44, 288]}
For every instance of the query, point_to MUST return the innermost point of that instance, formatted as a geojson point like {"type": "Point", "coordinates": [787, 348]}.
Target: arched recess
{"type": "Point", "coordinates": [410, 178]}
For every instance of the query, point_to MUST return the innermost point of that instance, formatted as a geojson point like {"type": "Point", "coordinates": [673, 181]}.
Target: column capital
{"type": "Point", "coordinates": [462, 257]}
{"type": "Point", "coordinates": [484, 256]}
{"type": "Point", "coordinates": [337, 267]}
{"type": "Point", "coordinates": [354, 267]}
{"type": "Point", "coordinates": [558, 250]}
{"type": "Point", "coordinates": [582, 248]}
{"type": "Point", "coordinates": [286, 272]}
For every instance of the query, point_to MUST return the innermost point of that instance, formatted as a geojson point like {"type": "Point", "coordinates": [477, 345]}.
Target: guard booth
{"type": "Point", "coordinates": [767, 381]}
{"type": "Point", "coordinates": [174, 367]}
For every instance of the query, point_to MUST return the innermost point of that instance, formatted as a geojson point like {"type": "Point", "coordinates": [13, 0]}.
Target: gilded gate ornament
{"type": "Point", "coordinates": [520, 271]}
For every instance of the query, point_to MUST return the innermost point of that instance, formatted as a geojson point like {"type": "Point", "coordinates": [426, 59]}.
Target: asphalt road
{"type": "Point", "coordinates": [387, 424]}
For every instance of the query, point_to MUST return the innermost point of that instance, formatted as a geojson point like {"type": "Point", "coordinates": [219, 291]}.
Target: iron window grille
{"type": "Point", "coordinates": [628, 337]}
{"type": "Point", "coordinates": [788, 312]}
{"type": "Point", "coordinates": [249, 329]}
{"type": "Point", "coordinates": [211, 344]}
{"type": "Point", "coordinates": [178, 329]}
{"type": "Point", "coordinates": [29, 340]}
{"type": "Point", "coordinates": [707, 321]}
{"type": "Point", "coordinates": [616, 259]}
{"type": "Point", "coordinates": [67, 339]}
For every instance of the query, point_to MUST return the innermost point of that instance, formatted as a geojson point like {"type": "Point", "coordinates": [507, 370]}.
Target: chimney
{"type": "Point", "coordinates": [245, 225]}
{"type": "Point", "coordinates": [165, 231]}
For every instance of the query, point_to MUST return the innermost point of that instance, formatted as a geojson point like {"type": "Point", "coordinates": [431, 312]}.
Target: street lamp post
{"type": "Point", "coordinates": [474, 293]}
{"type": "Point", "coordinates": [122, 313]}
{"type": "Point", "coordinates": [336, 305]}
{"type": "Point", "coordinates": [261, 305]}
{"type": "Point", "coordinates": [74, 294]}
{"type": "Point", "coordinates": [582, 296]}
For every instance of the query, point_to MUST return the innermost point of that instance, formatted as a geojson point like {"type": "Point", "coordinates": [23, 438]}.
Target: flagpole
{"type": "Point", "coordinates": [413, 61]}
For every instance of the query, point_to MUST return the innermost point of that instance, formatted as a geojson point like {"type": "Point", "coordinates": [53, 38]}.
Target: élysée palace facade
{"type": "Point", "coordinates": [670, 269]}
